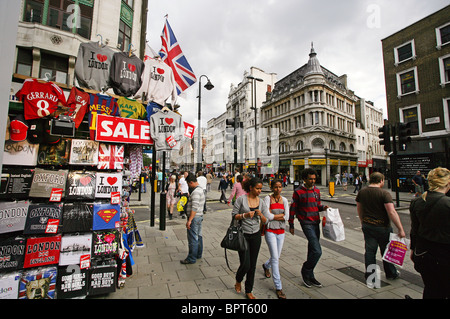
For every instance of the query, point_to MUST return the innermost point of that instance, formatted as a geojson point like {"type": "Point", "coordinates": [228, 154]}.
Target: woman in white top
{"type": "Point", "coordinates": [279, 207]}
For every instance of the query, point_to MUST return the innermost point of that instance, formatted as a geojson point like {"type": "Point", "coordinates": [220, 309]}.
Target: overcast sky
{"type": "Point", "coordinates": [222, 39]}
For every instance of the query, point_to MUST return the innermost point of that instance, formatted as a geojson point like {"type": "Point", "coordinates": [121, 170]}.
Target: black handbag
{"type": "Point", "coordinates": [234, 238]}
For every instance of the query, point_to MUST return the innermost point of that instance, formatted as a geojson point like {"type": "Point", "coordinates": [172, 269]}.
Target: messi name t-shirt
{"type": "Point", "coordinates": [100, 104]}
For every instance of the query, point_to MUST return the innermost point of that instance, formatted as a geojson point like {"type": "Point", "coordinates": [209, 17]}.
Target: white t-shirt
{"type": "Point", "coordinates": [183, 186]}
{"type": "Point", "coordinates": [202, 182]}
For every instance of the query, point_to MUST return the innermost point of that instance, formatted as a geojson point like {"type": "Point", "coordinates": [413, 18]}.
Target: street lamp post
{"type": "Point", "coordinates": [254, 107]}
{"type": "Point", "coordinates": [208, 86]}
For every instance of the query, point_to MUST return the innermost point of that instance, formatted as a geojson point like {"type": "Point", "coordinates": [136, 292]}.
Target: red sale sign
{"type": "Point", "coordinates": [189, 130]}
{"type": "Point", "coordinates": [122, 130]}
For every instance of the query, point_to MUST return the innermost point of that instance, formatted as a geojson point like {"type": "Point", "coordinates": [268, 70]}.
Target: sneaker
{"type": "Point", "coordinates": [307, 282]}
{"type": "Point", "coordinates": [315, 283]}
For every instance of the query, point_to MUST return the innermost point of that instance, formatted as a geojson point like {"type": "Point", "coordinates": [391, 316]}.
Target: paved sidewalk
{"type": "Point", "coordinates": [158, 274]}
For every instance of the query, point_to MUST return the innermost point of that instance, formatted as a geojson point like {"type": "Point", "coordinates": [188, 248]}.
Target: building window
{"type": "Point", "coordinates": [61, 14]}
{"type": "Point", "coordinates": [54, 68]}
{"type": "Point", "coordinates": [332, 146]}
{"type": "Point", "coordinates": [124, 36]}
{"type": "Point", "coordinates": [444, 68]}
{"type": "Point", "coordinates": [411, 114]}
{"type": "Point", "coordinates": [404, 52]}
{"type": "Point", "coordinates": [342, 147]}
{"type": "Point", "coordinates": [24, 61]}
{"type": "Point", "coordinates": [407, 82]}
{"type": "Point", "coordinates": [443, 35]}
{"type": "Point", "coordinates": [447, 113]}
{"type": "Point", "coordinates": [300, 146]}
{"type": "Point", "coordinates": [33, 11]}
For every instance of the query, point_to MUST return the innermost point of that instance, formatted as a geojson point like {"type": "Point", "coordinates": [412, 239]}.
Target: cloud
{"type": "Point", "coordinates": [222, 39]}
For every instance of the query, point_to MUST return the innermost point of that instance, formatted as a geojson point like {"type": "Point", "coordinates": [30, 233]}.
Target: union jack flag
{"type": "Point", "coordinates": [173, 56]}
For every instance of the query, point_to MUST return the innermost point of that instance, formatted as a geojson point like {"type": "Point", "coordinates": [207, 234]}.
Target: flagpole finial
{"type": "Point", "coordinates": [166, 16]}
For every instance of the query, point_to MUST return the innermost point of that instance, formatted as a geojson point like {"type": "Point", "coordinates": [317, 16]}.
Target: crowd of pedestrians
{"type": "Point", "coordinates": [271, 215]}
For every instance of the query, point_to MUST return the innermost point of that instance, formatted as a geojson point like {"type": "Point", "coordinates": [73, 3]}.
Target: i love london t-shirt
{"type": "Point", "coordinates": [166, 129]}
{"type": "Point", "coordinates": [93, 66]}
{"type": "Point", "coordinates": [125, 74]}
{"type": "Point", "coordinates": [101, 104]}
{"type": "Point", "coordinates": [40, 99]}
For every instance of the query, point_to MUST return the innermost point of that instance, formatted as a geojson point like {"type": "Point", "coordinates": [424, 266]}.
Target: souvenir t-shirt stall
{"type": "Point", "coordinates": [66, 227]}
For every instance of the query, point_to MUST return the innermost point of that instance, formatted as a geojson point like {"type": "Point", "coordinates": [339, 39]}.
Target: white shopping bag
{"type": "Point", "coordinates": [332, 226]}
{"type": "Point", "coordinates": [396, 250]}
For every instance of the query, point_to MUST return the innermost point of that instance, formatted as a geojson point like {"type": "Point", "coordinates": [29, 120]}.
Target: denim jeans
{"type": "Point", "coordinates": [374, 237]}
{"type": "Point", "coordinates": [312, 233]}
{"type": "Point", "coordinates": [275, 244]}
{"type": "Point", "coordinates": [195, 239]}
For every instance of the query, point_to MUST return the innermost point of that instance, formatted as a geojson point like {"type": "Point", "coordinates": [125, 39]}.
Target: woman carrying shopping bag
{"type": "Point", "coordinates": [279, 207]}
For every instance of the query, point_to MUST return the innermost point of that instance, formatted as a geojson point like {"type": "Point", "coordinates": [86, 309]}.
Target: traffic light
{"type": "Point", "coordinates": [385, 137]}
{"type": "Point", "coordinates": [231, 122]}
{"type": "Point", "coordinates": [404, 133]}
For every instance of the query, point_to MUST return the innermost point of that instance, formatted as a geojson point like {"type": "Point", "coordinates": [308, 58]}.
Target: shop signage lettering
{"type": "Point", "coordinates": [122, 130]}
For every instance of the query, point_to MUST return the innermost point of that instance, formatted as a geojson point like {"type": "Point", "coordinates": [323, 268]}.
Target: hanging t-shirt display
{"type": "Point", "coordinates": [158, 82]}
{"type": "Point", "coordinates": [73, 247]}
{"type": "Point", "coordinates": [54, 154]}
{"type": "Point", "coordinates": [46, 182]}
{"type": "Point", "coordinates": [102, 279]}
{"type": "Point", "coordinates": [166, 130]}
{"type": "Point", "coordinates": [77, 217]}
{"type": "Point", "coordinates": [71, 283]}
{"type": "Point", "coordinates": [43, 219]}
{"type": "Point", "coordinates": [105, 243]}
{"type": "Point", "coordinates": [78, 102]}
{"type": "Point", "coordinates": [131, 109]}
{"type": "Point", "coordinates": [80, 185]}
{"type": "Point", "coordinates": [9, 285]}
{"type": "Point", "coordinates": [93, 66]}
{"type": "Point", "coordinates": [15, 182]}
{"type": "Point", "coordinates": [125, 74]}
{"type": "Point", "coordinates": [12, 253]}
{"type": "Point", "coordinates": [108, 183]}
{"type": "Point", "coordinates": [100, 104]}
{"type": "Point", "coordinates": [40, 99]}
{"type": "Point", "coordinates": [110, 156]}
{"type": "Point", "coordinates": [42, 251]}
{"type": "Point", "coordinates": [83, 152]}
{"type": "Point", "coordinates": [106, 216]}
{"type": "Point", "coordinates": [13, 216]}
{"type": "Point", "coordinates": [38, 283]}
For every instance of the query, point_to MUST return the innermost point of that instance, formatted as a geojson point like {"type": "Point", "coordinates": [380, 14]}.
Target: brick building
{"type": "Point", "coordinates": [417, 76]}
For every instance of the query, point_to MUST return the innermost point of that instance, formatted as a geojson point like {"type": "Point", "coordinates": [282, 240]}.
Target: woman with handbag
{"type": "Point", "coordinates": [251, 212]}
{"type": "Point", "coordinates": [430, 235]}
{"type": "Point", "coordinates": [274, 234]}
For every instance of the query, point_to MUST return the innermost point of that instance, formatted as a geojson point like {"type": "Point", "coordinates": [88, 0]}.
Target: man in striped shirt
{"type": "Point", "coordinates": [306, 207]}
{"type": "Point", "coordinates": [194, 211]}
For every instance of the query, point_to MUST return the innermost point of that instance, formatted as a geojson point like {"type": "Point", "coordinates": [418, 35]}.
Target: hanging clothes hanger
{"type": "Point", "coordinates": [47, 77]}
{"type": "Point", "coordinates": [129, 50]}
{"type": "Point", "coordinates": [101, 40]}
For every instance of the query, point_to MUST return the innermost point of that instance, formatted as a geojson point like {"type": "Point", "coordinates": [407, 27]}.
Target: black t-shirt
{"type": "Point", "coordinates": [372, 200]}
